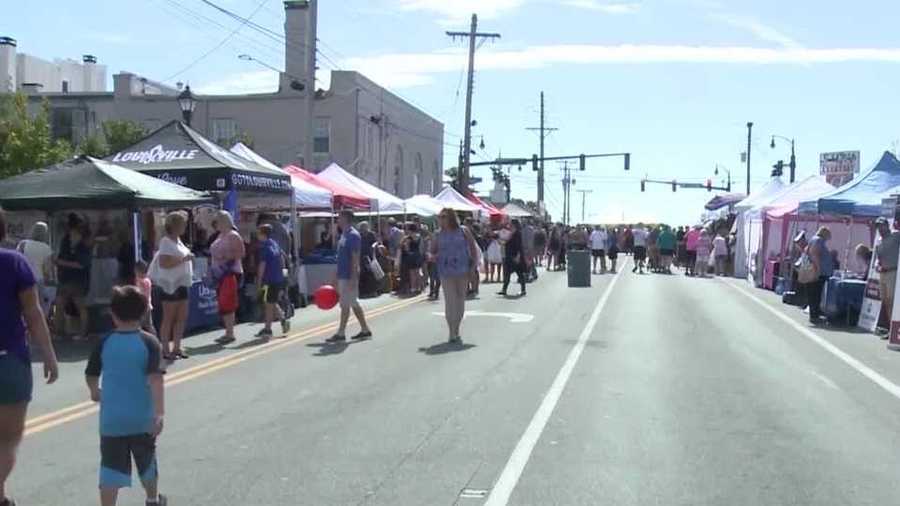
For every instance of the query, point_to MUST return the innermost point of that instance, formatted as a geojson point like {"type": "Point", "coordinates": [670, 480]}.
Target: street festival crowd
{"type": "Point", "coordinates": [125, 370]}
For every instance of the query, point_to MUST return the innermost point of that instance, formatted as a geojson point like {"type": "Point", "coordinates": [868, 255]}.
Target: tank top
{"type": "Point", "coordinates": [453, 253]}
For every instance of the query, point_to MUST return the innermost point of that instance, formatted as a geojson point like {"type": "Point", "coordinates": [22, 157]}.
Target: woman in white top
{"type": "Point", "coordinates": [40, 258]}
{"type": "Point", "coordinates": [173, 272]}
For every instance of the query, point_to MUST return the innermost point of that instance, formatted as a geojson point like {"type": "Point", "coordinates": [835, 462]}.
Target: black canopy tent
{"type": "Point", "coordinates": [179, 154]}
{"type": "Point", "coordinates": [90, 183]}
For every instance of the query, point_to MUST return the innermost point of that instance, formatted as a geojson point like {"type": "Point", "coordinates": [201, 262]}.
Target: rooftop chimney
{"type": "Point", "coordinates": [299, 30]}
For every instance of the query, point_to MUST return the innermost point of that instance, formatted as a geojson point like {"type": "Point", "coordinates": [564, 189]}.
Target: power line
{"type": "Point", "coordinates": [217, 46]}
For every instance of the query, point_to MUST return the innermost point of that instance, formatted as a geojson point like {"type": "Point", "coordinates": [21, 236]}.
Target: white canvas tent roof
{"type": "Point", "coordinates": [514, 210]}
{"type": "Point", "coordinates": [423, 205]}
{"type": "Point", "coordinates": [763, 195]}
{"type": "Point", "coordinates": [306, 195]}
{"type": "Point", "coordinates": [387, 203]}
{"type": "Point", "coordinates": [448, 197]}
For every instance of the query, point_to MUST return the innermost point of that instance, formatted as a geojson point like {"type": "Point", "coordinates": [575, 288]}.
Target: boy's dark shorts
{"type": "Point", "coordinates": [273, 292]}
{"type": "Point", "coordinates": [116, 453]}
{"type": "Point", "coordinates": [15, 380]}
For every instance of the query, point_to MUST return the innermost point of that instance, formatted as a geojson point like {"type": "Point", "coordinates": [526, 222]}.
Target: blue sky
{"type": "Point", "coordinates": [672, 81]}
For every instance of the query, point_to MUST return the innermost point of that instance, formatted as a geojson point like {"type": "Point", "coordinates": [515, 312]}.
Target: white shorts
{"type": "Point", "coordinates": [348, 292]}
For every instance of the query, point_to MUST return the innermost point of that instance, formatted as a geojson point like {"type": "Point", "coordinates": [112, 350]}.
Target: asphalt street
{"type": "Point", "coordinates": [640, 390]}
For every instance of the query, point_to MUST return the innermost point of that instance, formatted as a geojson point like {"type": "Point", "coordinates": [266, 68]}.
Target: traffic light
{"type": "Point", "coordinates": [779, 169]}
{"type": "Point", "coordinates": [534, 163]}
{"type": "Point", "coordinates": [627, 161]}
{"type": "Point", "coordinates": [709, 185]}
{"type": "Point", "coordinates": [581, 162]}
{"type": "Point", "coordinates": [674, 186]}
{"type": "Point", "coordinates": [643, 185]}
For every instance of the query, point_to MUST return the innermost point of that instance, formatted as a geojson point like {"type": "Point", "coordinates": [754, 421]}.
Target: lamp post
{"type": "Point", "coordinates": [187, 103]}
{"type": "Point", "coordinates": [793, 163]}
{"type": "Point", "coordinates": [749, 138]}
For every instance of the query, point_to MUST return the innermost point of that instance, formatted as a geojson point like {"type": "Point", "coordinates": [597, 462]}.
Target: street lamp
{"type": "Point", "coordinates": [187, 103]}
{"type": "Point", "coordinates": [793, 163]}
{"type": "Point", "coordinates": [297, 84]}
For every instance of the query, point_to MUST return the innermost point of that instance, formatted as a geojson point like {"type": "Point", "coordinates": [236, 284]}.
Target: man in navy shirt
{"type": "Point", "coordinates": [272, 281]}
{"type": "Point", "coordinates": [131, 399]}
{"type": "Point", "coordinates": [348, 264]}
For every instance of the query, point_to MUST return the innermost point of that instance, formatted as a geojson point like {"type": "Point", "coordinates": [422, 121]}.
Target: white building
{"type": "Point", "coordinates": [356, 123]}
{"type": "Point", "coordinates": [20, 71]}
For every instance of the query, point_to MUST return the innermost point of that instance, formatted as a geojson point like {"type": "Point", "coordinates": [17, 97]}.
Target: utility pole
{"type": "Point", "coordinates": [472, 35]}
{"type": "Point", "coordinates": [749, 137]}
{"type": "Point", "coordinates": [544, 131]}
{"type": "Point", "coordinates": [310, 75]}
{"type": "Point", "coordinates": [583, 199]}
{"type": "Point", "coordinates": [567, 197]}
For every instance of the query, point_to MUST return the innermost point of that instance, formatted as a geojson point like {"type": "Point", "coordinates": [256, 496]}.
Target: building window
{"type": "Point", "coordinates": [398, 171]}
{"type": "Point", "coordinates": [65, 86]}
{"type": "Point", "coordinates": [436, 179]}
{"type": "Point", "coordinates": [224, 131]}
{"type": "Point", "coordinates": [61, 124]}
{"type": "Point", "coordinates": [322, 136]}
{"type": "Point", "coordinates": [420, 173]}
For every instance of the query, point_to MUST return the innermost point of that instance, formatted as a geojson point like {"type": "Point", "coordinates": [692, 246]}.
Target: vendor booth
{"type": "Point", "coordinates": [494, 215]}
{"type": "Point", "coordinates": [742, 226]}
{"type": "Point", "coordinates": [177, 153]}
{"type": "Point", "coordinates": [516, 211]}
{"type": "Point", "coordinates": [452, 199]}
{"type": "Point", "coordinates": [765, 241]}
{"type": "Point", "coordinates": [112, 201]}
{"type": "Point", "coordinates": [383, 202]}
{"type": "Point", "coordinates": [423, 205]}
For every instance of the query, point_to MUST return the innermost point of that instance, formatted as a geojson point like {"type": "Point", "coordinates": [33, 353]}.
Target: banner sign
{"type": "Point", "coordinates": [839, 167]}
{"type": "Point", "coordinates": [223, 180]}
{"type": "Point", "coordinates": [871, 306]}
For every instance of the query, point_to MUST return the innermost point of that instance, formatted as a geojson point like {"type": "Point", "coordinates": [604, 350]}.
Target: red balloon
{"type": "Point", "coordinates": [325, 297]}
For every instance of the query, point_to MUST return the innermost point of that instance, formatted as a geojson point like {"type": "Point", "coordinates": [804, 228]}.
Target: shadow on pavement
{"type": "Point", "coordinates": [70, 351]}
{"type": "Point", "coordinates": [251, 343]}
{"type": "Point", "coordinates": [442, 348]}
{"type": "Point", "coordinates": [206, 349]}
{"type": "Point", "coordinates": [328, 349]}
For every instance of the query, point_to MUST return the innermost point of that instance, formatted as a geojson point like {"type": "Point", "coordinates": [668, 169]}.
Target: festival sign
{"type": "Point", "coordinates": [839, 167]}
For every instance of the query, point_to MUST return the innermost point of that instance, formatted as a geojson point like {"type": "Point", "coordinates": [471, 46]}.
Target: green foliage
{"type": "Point", "coordinates": [452, 173]}
{"type": "Point", "coordinates": [26, 142]}
{"type": "Point", "coordinates": [120, 134]}
{"type": "Point", "coordinates": [94, 145]}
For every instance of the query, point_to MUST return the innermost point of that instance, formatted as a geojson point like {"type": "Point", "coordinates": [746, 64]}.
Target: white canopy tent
{"type": "Point", "coordinates": [514, 210]}
{"type": "Point", "coordinates": [423, 205]}
{"type": "Point", "coordinates": [450, 198]}
{"type": "Point", "coordinates": [387, 203]}
{"type": "Point", "coordinates": [306, 195]}
{"type": "Point", "coordinates": [743, 227]}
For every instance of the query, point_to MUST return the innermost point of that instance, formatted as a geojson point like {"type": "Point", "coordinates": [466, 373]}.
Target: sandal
{"type": "Point", "coordinates": [225, 340]}
{"type": "Point", "coordinates": [180, 354]}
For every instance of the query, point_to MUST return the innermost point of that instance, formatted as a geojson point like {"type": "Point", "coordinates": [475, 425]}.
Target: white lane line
{"type": "Point", "coordinates": [860, 367]}
{"type": "Point", "coordinates": [522, 453]}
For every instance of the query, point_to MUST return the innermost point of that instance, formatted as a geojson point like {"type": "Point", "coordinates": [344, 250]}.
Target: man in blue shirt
{"type": "Point", "coordinates": [348, 264]}
{"type": "Point", "coordinates": [131, 400]}
{"type": "Point", "coordinates": [271, 281]}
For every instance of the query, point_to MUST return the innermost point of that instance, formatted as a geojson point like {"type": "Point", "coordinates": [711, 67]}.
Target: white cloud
{"type": "Point", "coordinates": [413, 69]}
{"type": "Point", "coordinates": [605, 7]}
{"type": "Point", "coordinates": [460, 11]}
{"type": "Point", "coordinates": [257, 81]}
{"type": "Point", "coordinates": [761, 31]}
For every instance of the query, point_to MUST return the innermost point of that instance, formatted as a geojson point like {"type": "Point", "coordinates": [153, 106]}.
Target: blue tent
{"type": "Point", "coordinates": [861, 196]}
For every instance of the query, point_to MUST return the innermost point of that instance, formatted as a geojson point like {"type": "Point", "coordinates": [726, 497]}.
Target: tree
{"type": "Point", "coordinates": [26, 142]}
{"type": "Point", "coordinates": [94, 145]}
{"type": "Point", "coordinates": [452, 173]}
{"type": "Point", "coordinates": [120, 134]}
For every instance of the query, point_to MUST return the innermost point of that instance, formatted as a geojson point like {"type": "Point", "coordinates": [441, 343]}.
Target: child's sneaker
{"type": "Point", "coordinates": [160, 501]}
{"type": "Point", "coordinates": [285, 326]}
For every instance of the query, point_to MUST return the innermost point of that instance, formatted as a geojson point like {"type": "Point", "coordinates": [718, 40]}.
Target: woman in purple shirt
{"type": "Point", "coordinates": [20, 315]}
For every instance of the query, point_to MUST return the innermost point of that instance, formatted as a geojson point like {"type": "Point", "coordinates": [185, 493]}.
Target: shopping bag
{"type": "Point", "coordinates": [806, 270]}
{"type": "Point", "coordinates": [376, 269]}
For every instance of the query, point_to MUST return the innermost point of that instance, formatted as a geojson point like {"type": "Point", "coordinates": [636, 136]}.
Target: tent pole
{"type": "Point", "coordinates": [136, 234]}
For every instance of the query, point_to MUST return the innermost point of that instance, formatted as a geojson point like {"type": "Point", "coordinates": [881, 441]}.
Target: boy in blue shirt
{"type": "Point", "coordinates": [131, 400]}
{"type": "Point", "coordinates": [272, 281]}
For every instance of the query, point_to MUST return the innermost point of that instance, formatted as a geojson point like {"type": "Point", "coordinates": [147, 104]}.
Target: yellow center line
{"type": "Point", "coordinates": [48, 421]}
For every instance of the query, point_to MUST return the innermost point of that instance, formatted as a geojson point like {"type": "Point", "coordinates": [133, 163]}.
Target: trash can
{"type": "Point", "coordinates": [578, 268]}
